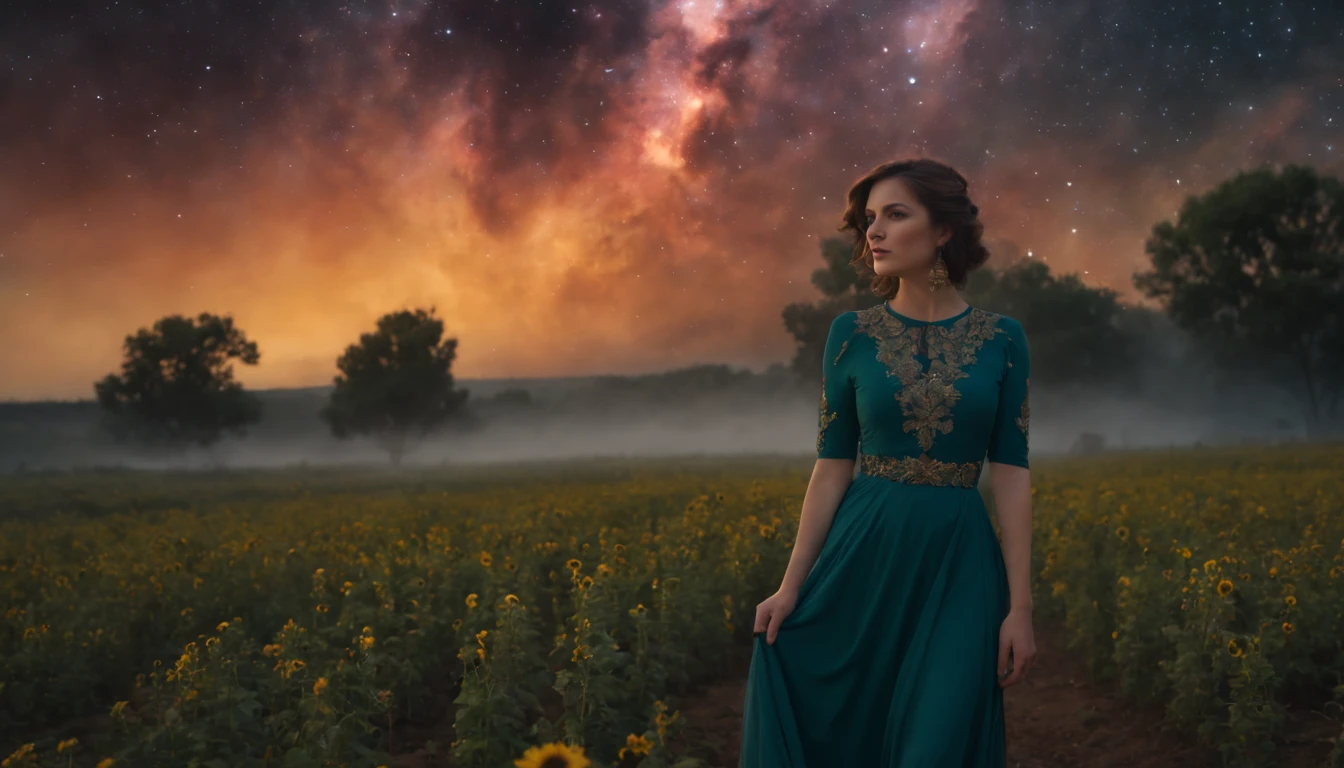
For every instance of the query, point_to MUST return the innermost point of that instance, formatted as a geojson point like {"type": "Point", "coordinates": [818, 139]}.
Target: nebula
{"type": "Point", "coordinates": [611, 186]}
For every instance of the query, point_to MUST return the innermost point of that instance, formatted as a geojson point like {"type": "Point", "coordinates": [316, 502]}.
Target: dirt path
{"type": "Point", "coordinates": [1055, 719]}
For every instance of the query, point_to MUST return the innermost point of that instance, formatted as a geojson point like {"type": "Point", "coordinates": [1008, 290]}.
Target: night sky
{"type": "Point", "coordinates": [588, 187]}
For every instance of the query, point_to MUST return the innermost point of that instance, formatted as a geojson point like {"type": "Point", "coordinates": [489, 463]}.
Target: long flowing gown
{"type": "Point", "coordinates": [888, 658]}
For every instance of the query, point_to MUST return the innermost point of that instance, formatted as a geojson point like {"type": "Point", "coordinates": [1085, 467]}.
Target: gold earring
{"type": "Point", "coordinates": [938, 274]}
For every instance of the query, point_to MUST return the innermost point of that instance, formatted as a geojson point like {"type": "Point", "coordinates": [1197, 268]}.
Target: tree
{"type": "Point", "coordinates": [1077, 333]}
{"type": "Point", "coordinates": [843, 289]}
{"type": "Point", "coordinates": [395, 383]}
{"type": "Point", "coordinates": [176, 386]}
{"type": "Point", "coordinates": [1255, 268]}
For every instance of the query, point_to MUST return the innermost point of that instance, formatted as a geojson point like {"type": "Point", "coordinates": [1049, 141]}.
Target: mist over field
{"type": "Point", "coordinates": [725, 412]}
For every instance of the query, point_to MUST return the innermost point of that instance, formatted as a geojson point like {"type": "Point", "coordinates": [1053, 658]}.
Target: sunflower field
{"type": "Point", "coordinates": [558, 615]}
{"type": "Point", "coordinates": [1209, 580]}
{"type": "Point", "coordinates": [321, 618]}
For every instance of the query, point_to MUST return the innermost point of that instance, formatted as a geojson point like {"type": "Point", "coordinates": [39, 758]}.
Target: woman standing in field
{"type": "Point", "coordinates": [900, 620]}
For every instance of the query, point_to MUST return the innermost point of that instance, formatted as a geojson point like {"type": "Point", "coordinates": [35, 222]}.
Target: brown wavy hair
{"type": "Point", "coordinates": [941, 189]}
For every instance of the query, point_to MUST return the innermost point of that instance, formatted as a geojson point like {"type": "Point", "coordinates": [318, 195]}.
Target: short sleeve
{"type": "Point", "coordinates": [1008, 440]}
{"type": "Point", "coordinates": [837, 419]}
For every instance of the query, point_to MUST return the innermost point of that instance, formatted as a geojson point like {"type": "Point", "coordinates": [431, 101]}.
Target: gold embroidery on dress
{"type": "Point", "coordinates": [826, 419]}
{"type": "Point", "coordinates": [842, 350]}
{"type": "Point", "coordinates": [922, 470]}
{"type": "Point", "coordinates": [927, 397]}
{"type": "Point", "coordinates": [1025, 419]}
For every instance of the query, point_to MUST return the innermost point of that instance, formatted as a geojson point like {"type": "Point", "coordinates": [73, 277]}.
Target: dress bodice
{"type": "Point", "coordinates": [928, 401]}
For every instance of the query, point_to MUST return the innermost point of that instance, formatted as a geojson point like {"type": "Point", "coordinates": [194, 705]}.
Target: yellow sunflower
{"type": "Point", "coordinates": [554, 755]}
{"type": "Point", "coordinates": [635, 745]}
{"type": "Point", "coordinates": [1224, 588]}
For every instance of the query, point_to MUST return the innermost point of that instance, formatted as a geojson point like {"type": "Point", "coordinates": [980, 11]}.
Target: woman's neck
{"type": "Point", "coordinates": [928, 305]}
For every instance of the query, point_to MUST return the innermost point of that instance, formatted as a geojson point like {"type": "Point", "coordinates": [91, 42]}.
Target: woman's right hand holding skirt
{"type": "Point", "coordinates": [772, 611]}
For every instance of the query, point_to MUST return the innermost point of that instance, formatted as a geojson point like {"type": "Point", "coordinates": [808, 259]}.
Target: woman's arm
{"type": "Point", "coordinates": [838, 437]}
{"type": "Point", "coordinates": [1010, 483]}
{"type": "Point", "coordinates": [831, 478]}
{"type": "Point", "coordinates": [1011, 488]}
{"type": "Point", "coordinates": [1009, 476]}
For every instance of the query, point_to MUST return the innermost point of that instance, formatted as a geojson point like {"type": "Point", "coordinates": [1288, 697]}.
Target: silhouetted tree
{"type": "Point", "coordinates": [1255, 268]}
{"type": "Point", "coordinates": [1077, 333]}
{"type": "Point", "coordinates": [396, 383]}
{"type": "Point", "coordinates": [842, 289]}
{"type": "Point", "coordinates": [176, 385]}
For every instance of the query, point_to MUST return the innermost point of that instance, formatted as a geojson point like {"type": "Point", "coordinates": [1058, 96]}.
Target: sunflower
{"type": "Point", "coordinates": [486, 559]}
{"type": "Point", "coordinates": [1287, 628]}
{"type": "Point", "coordinates": [554, 755]}
{"type": "Point", "coordinates": [1224, 588]}
{"type": "Point", "coordinates": [1122, 532]}
{"type": "Point", "coordinates": [1233, 648]}
{"type": "Point", "coordinates": [635, 745]}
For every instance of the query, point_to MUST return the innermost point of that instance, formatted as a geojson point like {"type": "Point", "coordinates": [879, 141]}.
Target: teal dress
{"type": "Point", "coordinates": [888, 658]}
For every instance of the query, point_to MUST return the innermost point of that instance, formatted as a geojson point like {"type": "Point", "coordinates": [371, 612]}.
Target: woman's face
{"type": "Point", "coordinates": [899, 233]}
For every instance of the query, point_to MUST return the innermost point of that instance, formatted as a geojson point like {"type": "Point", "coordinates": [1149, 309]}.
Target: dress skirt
{"type": "Point", "coordinates": [888, 659]}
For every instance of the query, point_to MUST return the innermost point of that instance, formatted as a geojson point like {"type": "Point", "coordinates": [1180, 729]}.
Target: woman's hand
{"type": "Point", "coordinates": [772, 610]}
{"type": "Point", "coordinates": [1015, 636]}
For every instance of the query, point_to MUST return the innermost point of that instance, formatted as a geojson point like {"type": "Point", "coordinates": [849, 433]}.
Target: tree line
{"type": "Point", "coordinates": [1253, 270]}
{"type": "Point", "coordinates": [176, 385]}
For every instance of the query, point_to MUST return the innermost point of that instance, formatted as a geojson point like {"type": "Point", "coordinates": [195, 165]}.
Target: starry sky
{"type": "Point", "coordinates": [616, 186]}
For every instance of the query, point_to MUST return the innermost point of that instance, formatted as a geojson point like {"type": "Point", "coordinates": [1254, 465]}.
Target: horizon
{"type": "Point", "coordinates": [457, 381]}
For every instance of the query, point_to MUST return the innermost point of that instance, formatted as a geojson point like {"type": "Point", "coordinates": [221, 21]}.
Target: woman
{"type": "Point", "coordinates": [899, 620]}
